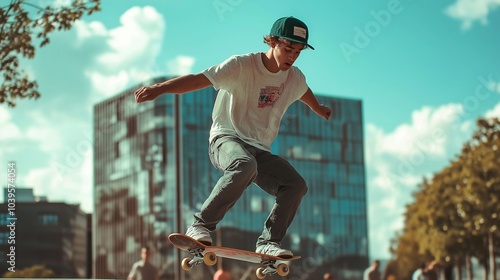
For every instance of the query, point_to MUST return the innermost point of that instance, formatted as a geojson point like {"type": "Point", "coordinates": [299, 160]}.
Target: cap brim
{"type": "Point", "coordinates": [297, 41]}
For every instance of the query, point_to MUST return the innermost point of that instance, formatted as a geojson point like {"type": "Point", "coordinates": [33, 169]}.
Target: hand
{"type": "Point", "coordinates": [146, 94]}
{"type": "Point", "coordinates": [324, 112]}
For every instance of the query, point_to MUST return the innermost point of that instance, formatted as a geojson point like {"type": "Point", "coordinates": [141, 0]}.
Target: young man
{"type": "Point", "coordinates": [143, 269]}
{"type": "Point", "coordinates": [254, 92]}
{"type": "Point", "coordinates": [419, 274]}
{"type": "Point", "coordinates": [372, 272]}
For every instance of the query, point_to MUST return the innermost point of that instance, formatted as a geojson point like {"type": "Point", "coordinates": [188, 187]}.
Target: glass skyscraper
{"type": "Point", "coordinates": [135, 173]}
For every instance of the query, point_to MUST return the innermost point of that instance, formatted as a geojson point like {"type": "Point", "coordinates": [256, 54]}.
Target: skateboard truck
{"type": "Point", "coordinates": [269, 268]}
{"type": "Point", "coordinates": [208, 258]}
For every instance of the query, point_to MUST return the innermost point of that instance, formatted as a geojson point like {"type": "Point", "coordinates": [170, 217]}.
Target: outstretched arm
{"type": "Point", "coordinates": [310, 100]}
{"type": "Point", "coordinates": [179, 85]}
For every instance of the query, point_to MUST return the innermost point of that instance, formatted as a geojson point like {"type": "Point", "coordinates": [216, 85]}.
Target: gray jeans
{"type": "Point", "coordinates": [243, 164]}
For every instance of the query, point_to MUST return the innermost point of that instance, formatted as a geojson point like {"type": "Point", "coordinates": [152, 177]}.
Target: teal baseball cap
{"type": "Point", "coordinates": [292, 29]}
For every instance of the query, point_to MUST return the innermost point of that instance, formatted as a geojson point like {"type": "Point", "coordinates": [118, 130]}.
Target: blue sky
{"type": "Point", "coordinates": [425, 70]}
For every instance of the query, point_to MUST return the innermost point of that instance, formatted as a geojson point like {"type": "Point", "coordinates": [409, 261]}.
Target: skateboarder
{"type": "Point", "coordinates": [255, 91]}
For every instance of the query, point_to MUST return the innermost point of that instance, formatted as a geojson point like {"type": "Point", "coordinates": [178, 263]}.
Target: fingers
{"type": "Point", "coordinates": [328, 112]}
{"type": "Point", "coordinates": [137, 94]}
{"type": "Point", "coordinates": [141, 95]}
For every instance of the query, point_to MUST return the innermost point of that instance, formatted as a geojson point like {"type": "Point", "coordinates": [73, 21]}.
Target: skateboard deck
{"type": "Point", "coordinates": [209, 254]}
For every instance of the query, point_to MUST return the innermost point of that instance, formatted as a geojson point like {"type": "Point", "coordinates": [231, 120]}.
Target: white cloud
{"type": "Point", "coordinates": [469, 11]}
{"type": "Point", "coordinates": [10, 135]}
{"type": "Point", "coordinates": [181, 65]}
{"type": "Point", "coordinates": [493, 113]}
{"type": "Point", "coordinates": [107, 85]}
{"type": "Point", "coordinates": [53, 156]}
{"type": "Point", "coordinates": [428, 133]}
{"type": "Point", "coordinates": [99, 62]}
{"type": "Point", "coordinates": [64, 185]}
{"type": "Point", "coordinates": [45, 132]}
{"type": "Point", "coordinates": [138, 38]}
{"type": "Point", "coordinates": [86, 31]}
{"type": "Point", "coordinates": [63, 171]}
{"type": "Point", "coordinates": [131, 49]}
{"type": "Point", "coordinates": [397, 162]}
{"type": "Point", "coordinates": [493, 86]}
{"type": "Point", "coordinates": [62, 3]}
{"type": "Point", "coordinates": [10, 131]}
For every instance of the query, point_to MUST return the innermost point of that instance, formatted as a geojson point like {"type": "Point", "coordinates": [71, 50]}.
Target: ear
{"type": "Point", "coordinates": [273, 42]}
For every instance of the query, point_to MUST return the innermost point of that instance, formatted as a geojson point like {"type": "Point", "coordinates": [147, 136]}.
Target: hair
{"type": "Point", "coordinates": [268, 38]}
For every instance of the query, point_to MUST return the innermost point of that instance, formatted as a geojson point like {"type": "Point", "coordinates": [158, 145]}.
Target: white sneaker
{"type": "Point", "coordinates": [274, 249]}
{"type": "Point", "coordinates": [200, 234]}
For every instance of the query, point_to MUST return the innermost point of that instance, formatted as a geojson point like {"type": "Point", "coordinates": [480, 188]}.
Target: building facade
{"type": "Point", "coordinates": [51, 234]}
{"type": "Point", "coordinates": [136, 181]}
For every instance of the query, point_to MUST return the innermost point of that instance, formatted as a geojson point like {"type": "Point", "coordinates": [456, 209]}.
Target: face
{"type": "Point", "coordinates": [286, 53]}
{"type": "Point", "coordinates": [145, 254]}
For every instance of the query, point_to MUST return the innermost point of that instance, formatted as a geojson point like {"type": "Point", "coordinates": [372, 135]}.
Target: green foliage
{"type": "Point", "coordinates": [406, 246]}
{"type": "Point", "coordinates": [19, 22]}
{"type": "Point", "coordinates": [457, 210]}
{"type": "Point", "coordinates": [36, 271]}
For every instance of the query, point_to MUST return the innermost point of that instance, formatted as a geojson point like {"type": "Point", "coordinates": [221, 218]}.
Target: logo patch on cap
{"type": "Point", "coordinates": [299, 31]}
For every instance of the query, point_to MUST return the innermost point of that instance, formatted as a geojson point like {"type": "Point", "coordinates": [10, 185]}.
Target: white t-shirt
{"type": "Point", "coordinates": [251, 99]}
{"type": "Point", "coordinates": [143, 271]}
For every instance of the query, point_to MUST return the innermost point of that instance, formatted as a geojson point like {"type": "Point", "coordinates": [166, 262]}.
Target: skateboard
{"type": "Point", "coordinates": [208, 255]}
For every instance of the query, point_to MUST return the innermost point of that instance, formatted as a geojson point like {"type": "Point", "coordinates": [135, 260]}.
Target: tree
{"type": "Point", "coordinates": [481, 177]}
{"type": "Point", "coordinates": [406, 247]}
{"type": "Point", "coordinates": [36, 271]}
{"type": "Point", "coordinates": [21, 23]}
{"type": "Point", "coordinates": [455, 214]}
{"type": "Point", "coordinates": [445, 229]}
{"type": "Point", "coordinates": [463, 199]}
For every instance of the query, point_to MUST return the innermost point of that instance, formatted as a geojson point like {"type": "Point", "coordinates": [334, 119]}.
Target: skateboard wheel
{"type": "Point", "coordinates": [260, 273]}
{"type": "Point", "coordinates": [186, 265]}
{"type": "Point", "coordinates": [210, 258]}
{"type": "Point", "coordinates": [282, 269]}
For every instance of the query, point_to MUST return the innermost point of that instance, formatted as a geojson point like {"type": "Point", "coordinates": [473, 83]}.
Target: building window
{"type": "Point", "coordinates": [4, 217]}
{"type": "Point", "coordinates": [48, 219]}
{"type": "Point", "coordinates": [132, 126]}
{"type": "Point", "coordinates": [4, 238]}
{"type": "Point", "coordinates": [332, 190]}
{"type": "Point", "coordinates": [117, 149]}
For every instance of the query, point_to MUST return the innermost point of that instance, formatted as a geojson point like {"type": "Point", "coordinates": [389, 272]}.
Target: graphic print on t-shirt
{"type": "Point", "coordinates": [269, 95]}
